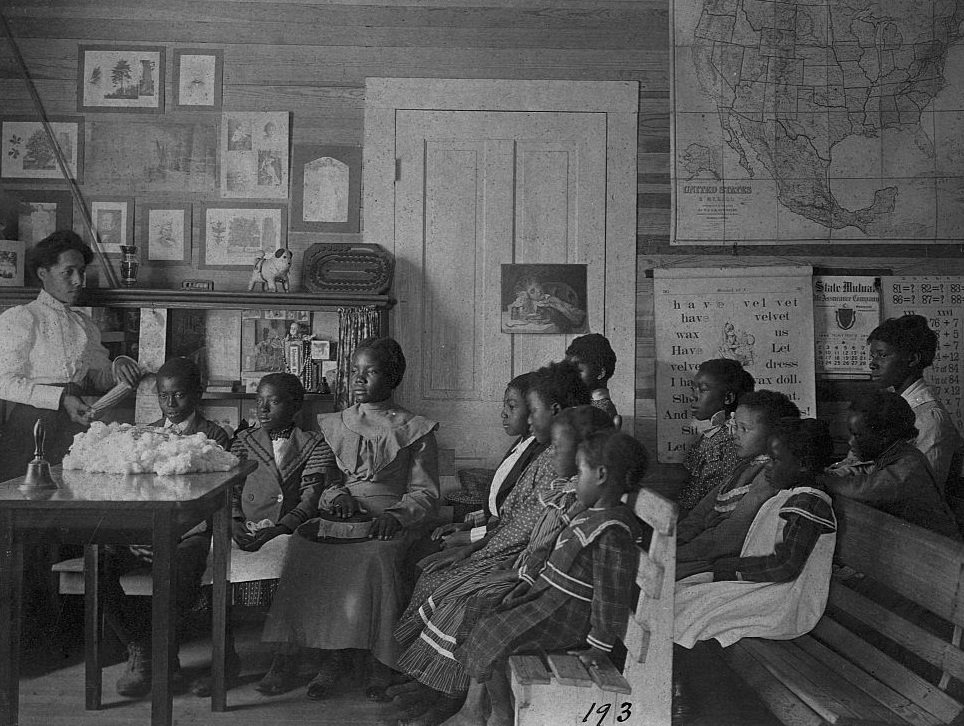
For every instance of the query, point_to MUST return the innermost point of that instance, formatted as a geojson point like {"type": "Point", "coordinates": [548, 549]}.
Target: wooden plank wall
{"type": "Point", "coordinates": [312, 56]}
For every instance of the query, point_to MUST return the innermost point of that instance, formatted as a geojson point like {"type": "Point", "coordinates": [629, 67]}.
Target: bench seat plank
{"type": "Point", "coordinates": [529, 670]}
{"type": "Point", "coordinates": [899, 704]}
{"type": "Point", "coordinates": [609, 679]}
{"type": "Point", "coordinates": [887, 670]}
{"type": "Point", "coordinates": [819, 689]}
{"type": "Point", "coordinates": [921, 565]}
{"type": "Point", "coordinates": [782, 702]}
{"type": "Point", "coordinates": [569, 670]}
{"type": "Point", "coordinates": [931, 648]}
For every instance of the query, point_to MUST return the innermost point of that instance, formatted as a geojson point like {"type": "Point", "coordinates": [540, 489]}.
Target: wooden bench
{"type": "Point", "coordinates": [556, 688]}
{"type": "Point", "coordinates": [874, 657]}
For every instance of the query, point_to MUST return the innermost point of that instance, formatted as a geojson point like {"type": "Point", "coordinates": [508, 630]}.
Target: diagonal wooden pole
{"type": "Point", "coordinates": [59, 155]}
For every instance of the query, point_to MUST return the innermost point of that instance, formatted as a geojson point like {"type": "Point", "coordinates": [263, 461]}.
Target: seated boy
{"type": "Point", "coordinates": [890, 474]}
{"type": "Point", "coordinates": [718, 524]}
{"type": "Point", "coordinates": [900, 350]}
{"type": "Point", "coordinates": [179, 391]}
{"type": "Point", "coordinates": [596, 360]}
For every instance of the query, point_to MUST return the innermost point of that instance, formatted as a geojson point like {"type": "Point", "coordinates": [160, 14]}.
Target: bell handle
{"type": "Point", "coordinates": [39, 437]}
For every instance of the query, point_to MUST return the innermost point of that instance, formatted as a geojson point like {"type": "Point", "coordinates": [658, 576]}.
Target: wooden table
{"type": "Point", "coordinates": [95, 509]}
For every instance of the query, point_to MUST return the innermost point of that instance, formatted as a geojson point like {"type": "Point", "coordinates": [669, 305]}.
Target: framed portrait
{"type": "Point", "coordinates": [11, 263]}
{"type": "Point", "coordinates": [254, 154]}
{"type": "Point", "coordinates": [35, 214]}
{"type": "Point", "coordinates": [198, 78]}
{"type": "Point", "coordinates": [544, 299]}
{"type": "Point", "coordinates": [113, 221]}
{"type": "Point", "coordinates": [166, 233]}
{"type": "Point", "coordinates": [120, 78]}
{"type": "Point", "coordinates": [26, 151]}
{"type": "Point", "coordinates": [326, 188]}
{"type": "Point", "coordinates": [233, 236]}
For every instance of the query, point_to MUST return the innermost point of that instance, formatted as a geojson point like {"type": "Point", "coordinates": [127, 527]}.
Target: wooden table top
{"type": "Point", "coordinates": [76, 488]}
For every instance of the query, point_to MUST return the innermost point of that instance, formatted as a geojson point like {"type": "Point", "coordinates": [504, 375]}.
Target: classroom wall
{"type": "Point", "coordinates": [311, 57]}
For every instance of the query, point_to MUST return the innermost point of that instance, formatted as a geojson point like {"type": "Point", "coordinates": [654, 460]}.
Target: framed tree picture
{"type": "Point", "coordinates": [27, 154]}
{"type": "Point", "coordinates": [166, 233]}
{"type": "Point", "coordinates": [113, 221]}
{"type": "Point", "coordinates": [198, 78]}
{"type": "Point", "coordinates": [326, 188]}
{"type": "Point", "coordinates": [35, 214]}
{"type": "Point", "coordinates": [120, 78]}
{"type": "Point", "coordinates": [234, 235]}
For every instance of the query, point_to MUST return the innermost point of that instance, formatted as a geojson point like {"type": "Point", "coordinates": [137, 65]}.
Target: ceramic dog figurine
{"type": "Point", "coordinates": [269, 271]}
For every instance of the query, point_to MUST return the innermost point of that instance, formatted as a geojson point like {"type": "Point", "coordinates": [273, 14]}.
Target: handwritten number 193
{"type": "Point", "coordinates": [625, 711]}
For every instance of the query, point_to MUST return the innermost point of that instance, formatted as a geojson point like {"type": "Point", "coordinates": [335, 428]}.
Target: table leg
{"type": "Point", "coordinates": [163, 619]}
{"type": "Point", "coordinates": [219, 605]}
{"type": "Point", "coordinates": [93, 628]}
{"type": "Point", "coordinates": [11, 574]}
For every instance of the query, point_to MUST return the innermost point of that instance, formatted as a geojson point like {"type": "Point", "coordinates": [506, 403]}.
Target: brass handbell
{"type": "Point", "coordinates": [38, 470]}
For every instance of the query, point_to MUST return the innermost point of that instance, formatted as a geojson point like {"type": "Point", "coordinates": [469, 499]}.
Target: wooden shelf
{"type": "Point", "coordinates": [223, 395]}
{"type": "Point", "coordinates": [208, 299]}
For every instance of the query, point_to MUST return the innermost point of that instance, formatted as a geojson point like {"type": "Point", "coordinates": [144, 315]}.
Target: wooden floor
{"type": "Point", "coordinates": [52, 690]}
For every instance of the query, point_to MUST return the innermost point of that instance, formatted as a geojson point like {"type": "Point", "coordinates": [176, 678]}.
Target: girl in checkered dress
{"type": "Point", "coordinates": [583, 596]}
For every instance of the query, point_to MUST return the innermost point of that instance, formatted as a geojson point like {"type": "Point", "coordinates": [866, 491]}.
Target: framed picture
{"type": "Point", "coordinates": [113, 221]}
{"type": "Point", "coordinates": [26, 152]}
{"type": "Point", "coordinates": [11, 263]}
{"type": "Point", "coordinates": [254, 154]}
{"type": "Point", "coordinates": [233, 236]}
{"type": "Point", "coordinates": [326, 188]}
{"type": "Point", "coordinates": [198, 78]}
{"type": "Point", "coordinates": [544, 299]}
{"type": "Point", "coordinates": [36, 214]}
{"type": "Point", "coordinates": [166, 233]}
{"type": "Point", "coordinates": [120, 78]}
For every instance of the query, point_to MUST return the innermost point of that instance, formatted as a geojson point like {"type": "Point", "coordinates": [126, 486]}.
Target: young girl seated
{"type": "Point", "coordinates": [777, 586]}
{"type": "Point", "coordinates": [453, 603]}
{"type": "Point", "coordinates": [554, 388]}
{"type": "Point", "coordinates": [718, 524]}
{"type": "Point", "coordinates": [515, 422]}
{"type": "Point", "coordinates": [712, 458]}
{"type": "Point", "coordinates": [583, 596]}
{"type": "Point", "coordinates": [596, 360]}
{"type": "Point", "coordinates": [340, 594]}
{"type": "Point", "coordinates": [890, 474]}
{"type": "Point", "coordinates": [900, 350]}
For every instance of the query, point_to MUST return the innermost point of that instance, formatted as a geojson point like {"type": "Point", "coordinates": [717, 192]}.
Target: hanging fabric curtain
{"type": "Point", "coordinates": [354, 325]}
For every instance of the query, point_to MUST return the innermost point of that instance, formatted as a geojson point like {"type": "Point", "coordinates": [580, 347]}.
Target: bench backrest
{"type": "Point", "coordinates": [900, 622]}
{"type": "Point", "coordinates": [649, 635]}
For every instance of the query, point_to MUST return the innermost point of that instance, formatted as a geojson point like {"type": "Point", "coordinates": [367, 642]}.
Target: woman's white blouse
{"type": "Point", "coordinates": [44, 345]}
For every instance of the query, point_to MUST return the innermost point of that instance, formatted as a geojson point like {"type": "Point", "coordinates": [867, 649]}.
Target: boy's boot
{"type": "Point", "coordinates": [136, 680]}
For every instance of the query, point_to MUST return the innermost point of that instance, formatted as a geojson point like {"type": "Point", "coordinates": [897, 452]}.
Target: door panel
{"type": "Point", "coordinates": [476, 190]}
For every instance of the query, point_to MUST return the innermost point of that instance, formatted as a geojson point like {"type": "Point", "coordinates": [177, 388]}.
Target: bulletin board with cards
{"type": "Point", "coordinates": [940, 299]}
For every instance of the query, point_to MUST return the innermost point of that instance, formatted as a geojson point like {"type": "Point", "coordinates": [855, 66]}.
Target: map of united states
{"type": "Point", "coordinates": [817, 121]}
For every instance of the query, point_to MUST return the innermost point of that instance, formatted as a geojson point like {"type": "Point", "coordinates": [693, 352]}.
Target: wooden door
{"type": "Point", "coordinates": [475, 190]}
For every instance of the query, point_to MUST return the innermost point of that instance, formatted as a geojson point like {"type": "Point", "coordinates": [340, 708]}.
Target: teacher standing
{"type": "Point", "coordinates": [50, 355]}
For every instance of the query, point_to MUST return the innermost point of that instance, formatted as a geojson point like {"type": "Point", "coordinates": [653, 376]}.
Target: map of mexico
{"type": "Point", "coordinates": [808, 121]}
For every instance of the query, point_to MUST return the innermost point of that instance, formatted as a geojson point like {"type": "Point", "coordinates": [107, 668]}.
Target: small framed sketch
{"type": "Point", "coordinates": [120, 78]}
{"type": "Point", "coordinates": [113, 221]}
{"type": "Point", "coordinates": [326, 188]}
{"type": "Point", "coordinates": [166, 233]}
{"type": "Point", "coordinates": [26, 151]}
{"type": "Point", "coordinates": [11, 263]}
{"type": "Point", "coordinates": [35, 214]}
{"type": "Point", "coordinates": [233, 236]}
{"type": "Point", "coordinates": [198, 78]}
{"type": "Point", "coordinates": [544, 299]}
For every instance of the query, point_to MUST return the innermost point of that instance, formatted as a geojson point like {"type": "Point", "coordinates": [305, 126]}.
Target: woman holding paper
{"type": "Point", "coordinates": [52, 354]}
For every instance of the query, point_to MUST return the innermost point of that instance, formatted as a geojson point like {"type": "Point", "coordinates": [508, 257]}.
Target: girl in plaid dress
{"type": "Point", "coordinates": [583, 596]}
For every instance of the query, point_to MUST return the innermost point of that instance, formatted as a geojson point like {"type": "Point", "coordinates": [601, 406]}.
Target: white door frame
{"type": "Point", "coordinates": [619, 100]}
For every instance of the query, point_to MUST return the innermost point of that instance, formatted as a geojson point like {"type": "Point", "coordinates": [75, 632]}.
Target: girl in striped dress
{"type": "Point", "coordinates": [583, 595]}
